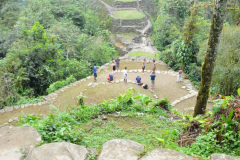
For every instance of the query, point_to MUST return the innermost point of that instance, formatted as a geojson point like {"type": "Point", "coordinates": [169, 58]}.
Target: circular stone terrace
{"type": "Point", "coordinates": [128, 14]}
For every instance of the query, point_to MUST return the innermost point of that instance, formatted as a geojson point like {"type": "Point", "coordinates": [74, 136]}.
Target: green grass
{"type": "Point", "coordinates": [144, 54]}
{"type": "Point", "coordinates": [141, 129]}
{"type": "Point", "coordinates": [128, 14]}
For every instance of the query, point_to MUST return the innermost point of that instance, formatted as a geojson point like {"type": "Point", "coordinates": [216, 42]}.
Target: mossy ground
{"type": "Point", "coordinates": [128, 36]}
{"type": "Point", "coordinates": [128, 14]}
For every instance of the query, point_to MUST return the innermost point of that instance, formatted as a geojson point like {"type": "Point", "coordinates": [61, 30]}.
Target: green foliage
{"type": "Point", "coordinates": [9, 14]}
{"type": "Point", "coordinates": [163, 103]}
{"type": "Point", "coordinates": [47, 41]}
{"type": "Point", "coordinates": [216, 108]}
{"type": "Point", "coordinates": [175, 8]}
{"type": "Point", "coordinates": [209, 143]}
{"type": "Point", "coordinates": [220, 132]}
{"type": "Point", "coordinates": [169, 55]}
{"type": "Point", "coordinates": [62, 126]}
{"type": "Point", "coordinates": [182, 38]}
{"type": "Point", "coordinates": [144, 100]}
{"type": "Point", "coordinates": [59, 84]}
{"type": "Point", "coordinates": [81, 99]}
{"type": "Point", "coordinates": [28, 100]}
{"type": "Point", "coordinates": [77, 124]}
{"type": "Point", "coordinates": [8, 94]}
{"type": "Point", "coordinates": [54, 127]}
{"type": "Point", "coordinates": [67, 9]}
{"type": "Point", "coordinates": [164, 31]}
{"type": "Point", "coordinates": [36, 11]}
{"type": "Point", "coordinates": [186, 53]}
{"type": "Point", "coordinates": [226, 73]}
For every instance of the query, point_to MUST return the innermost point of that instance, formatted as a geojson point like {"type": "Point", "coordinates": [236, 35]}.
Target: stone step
{"type": "Point", "coordinates": [132, 26]}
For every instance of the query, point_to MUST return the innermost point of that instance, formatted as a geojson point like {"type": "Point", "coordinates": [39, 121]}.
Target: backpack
{"type": "Point", "coordinates": [145, 86]}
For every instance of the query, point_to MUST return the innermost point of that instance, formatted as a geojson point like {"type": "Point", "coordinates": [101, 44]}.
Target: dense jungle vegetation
{"type": "Point", "coordinates": [42, 42]}
{"type": "Point", "coordinates": [180, 32]}
{"type": "Point", "coordinates": [45, 41]}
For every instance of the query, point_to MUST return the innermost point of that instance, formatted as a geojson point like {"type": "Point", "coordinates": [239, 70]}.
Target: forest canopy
{"type": "Point", "coordinates": [181, 31]}
{"type": "Point", "coordinates": [45, 41]}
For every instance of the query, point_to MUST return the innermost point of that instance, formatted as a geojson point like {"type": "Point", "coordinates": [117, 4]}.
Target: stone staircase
{"type": "Point", "coordinates": [122, 4]}
{"type": "Point", "coordinates": [142, 26]}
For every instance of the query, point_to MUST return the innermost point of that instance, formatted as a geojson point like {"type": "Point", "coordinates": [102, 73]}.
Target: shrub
{"type": "Point", "coordinates": [54, 128]}
{"type": "Point", "coordinates": [163, 103]}
{"type": "Point", "coordinates": [59, 84]}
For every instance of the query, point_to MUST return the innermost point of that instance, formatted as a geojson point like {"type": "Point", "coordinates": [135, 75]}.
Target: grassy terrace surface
{"type": "Point", "coordinates": [126, 14]}
{"type": "Point", "coordinates": [144, 54]}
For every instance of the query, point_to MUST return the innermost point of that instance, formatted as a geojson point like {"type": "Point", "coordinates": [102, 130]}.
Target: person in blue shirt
{"type": "Point", "coordinates": [95, 72]}
{"type": "Point", "coordinates": [110, 77]}
{"type": "Point", "coordinates": [153, 79]}
{"type": "Point", "coordinates": [138, 80]}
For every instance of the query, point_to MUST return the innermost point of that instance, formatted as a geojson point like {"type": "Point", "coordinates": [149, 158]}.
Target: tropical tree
{"type": "Point", "coordinates": [211, 55]}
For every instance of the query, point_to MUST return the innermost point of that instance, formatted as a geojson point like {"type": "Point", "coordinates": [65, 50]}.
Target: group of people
{"type": "Point", "coordinates": [115, 67]}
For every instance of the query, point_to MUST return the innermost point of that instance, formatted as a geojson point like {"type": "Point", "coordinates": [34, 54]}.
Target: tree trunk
{"type": "Point", "coordinates": [211, 55]}
{"type": "Point", "coordinates": [195, 2]}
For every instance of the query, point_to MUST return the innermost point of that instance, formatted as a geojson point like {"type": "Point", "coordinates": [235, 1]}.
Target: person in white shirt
{"type": "Point", "coordinates": [179, 77]}
{"type": "Point", "coordinates": [125, 74]}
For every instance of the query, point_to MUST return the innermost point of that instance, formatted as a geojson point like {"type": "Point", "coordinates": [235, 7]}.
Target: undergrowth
{"type": "Point", "coordinates": [220, 130]}
{"type": "Point", "coordinates": [59, 84]}
{"type": "Point", "coordinates": [216, 132]}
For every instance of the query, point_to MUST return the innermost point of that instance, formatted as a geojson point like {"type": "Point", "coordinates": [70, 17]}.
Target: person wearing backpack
{"type": "Point", "coordinates": [95, 72]}
{"type": "Point", "coordinates": [153, 79]}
